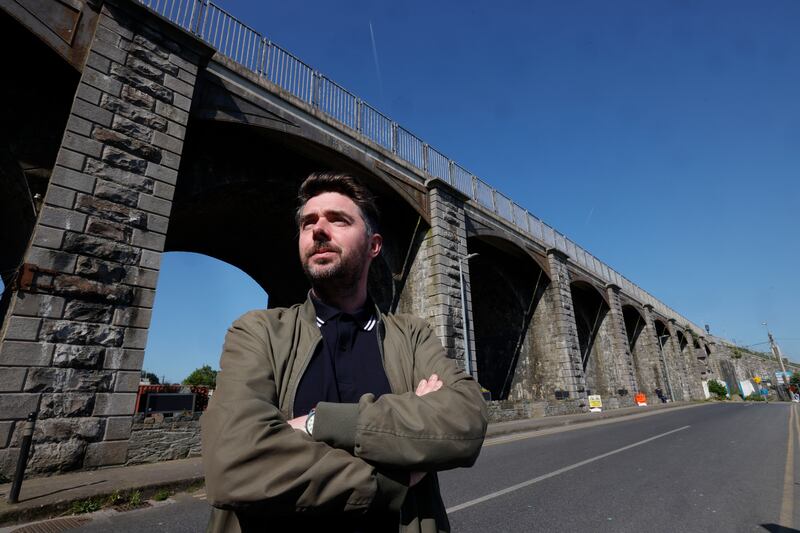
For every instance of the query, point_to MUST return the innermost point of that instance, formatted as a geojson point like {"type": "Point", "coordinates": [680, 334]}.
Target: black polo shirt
{"type": "Point", "coordinates": [347, 363]}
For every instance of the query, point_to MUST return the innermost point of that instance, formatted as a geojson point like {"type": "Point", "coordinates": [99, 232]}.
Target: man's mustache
{"type": "Point", "coordinates": [321, 247]}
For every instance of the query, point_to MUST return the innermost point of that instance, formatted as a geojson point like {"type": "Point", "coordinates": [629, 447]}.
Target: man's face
{"type": "Point", "coordinates": [334, 245]}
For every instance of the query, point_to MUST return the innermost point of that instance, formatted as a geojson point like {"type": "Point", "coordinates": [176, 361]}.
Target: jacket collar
{"type": "Point", "coordinates": [368, 317]}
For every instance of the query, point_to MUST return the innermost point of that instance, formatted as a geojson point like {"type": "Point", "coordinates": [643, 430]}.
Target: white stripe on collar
{"type": "Point", "coordinates": [369, 326]}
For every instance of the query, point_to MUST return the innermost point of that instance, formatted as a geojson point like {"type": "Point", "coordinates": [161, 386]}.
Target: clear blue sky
{"type": "Point", "coordinates": [664, 137]}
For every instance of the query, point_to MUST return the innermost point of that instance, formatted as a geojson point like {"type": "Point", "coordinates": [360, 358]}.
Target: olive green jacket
{"type": "Point", "coordinates": [260, 471]}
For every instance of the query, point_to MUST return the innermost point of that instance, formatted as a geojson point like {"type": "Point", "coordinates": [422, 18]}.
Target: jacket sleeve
{"type": "Point", "coordinates": [441, 430]}
{"type": "Point", "coordinates": [252, 457]}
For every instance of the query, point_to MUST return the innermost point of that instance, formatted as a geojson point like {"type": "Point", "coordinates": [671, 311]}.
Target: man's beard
{"type": "Point", "coordinates": [344, 275]}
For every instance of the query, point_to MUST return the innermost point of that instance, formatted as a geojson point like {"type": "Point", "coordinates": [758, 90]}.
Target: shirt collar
{"type": "Point", "coordinates": [364, 317]}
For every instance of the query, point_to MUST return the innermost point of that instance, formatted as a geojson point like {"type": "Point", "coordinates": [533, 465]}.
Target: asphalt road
{"type": "Point", "coordinates": [716, 467]}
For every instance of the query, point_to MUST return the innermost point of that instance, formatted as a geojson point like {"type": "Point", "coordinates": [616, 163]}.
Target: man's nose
{"type": "Point", "coordinates": [321, 232]}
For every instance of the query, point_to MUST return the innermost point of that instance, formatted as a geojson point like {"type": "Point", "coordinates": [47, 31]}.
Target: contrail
{"type": "Point", "coordinates": [375, 57]}
{"type": "Point", "coordinates": [589, 216]}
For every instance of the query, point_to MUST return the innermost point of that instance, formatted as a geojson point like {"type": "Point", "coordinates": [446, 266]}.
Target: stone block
{"type": "Point", "coordinates": [8, 461]}
{"type": "Point", "coordinates": [143, 297]}
{"type": "Point", "coordinates": [167, 142]}
{"type": "Point", "coordinates": [71, 404]}
{"type": "Point", "coordinates": [107, 36]}
{"type": "Point", "coordinates": [155, 57]}
{"type": "Point", "coordinates": [157, 223]}
{"type": "Point", "coordinates": [81, 144]}
{"type": "Point", "coordinates": [58, 196]}
{"type": "Point", "coordinates": [181, 102]}
{"type": "Point", "coordinates": [17, 406]}
{"type": "Point", "coordinates": [114, 53]}
{"type": "Point", "coordinates": [155, 205]}
{"type": "Point", "coordinates": [178, 85]}
{"type": "Point", "coordinates": [22, 353]}
{"type": "Point", "coordinates": [23, 328]}
{"type": "Point", "coordinates": [102, 248]}
{"type": "Point", "coordinates": [124, 160]}
{"type": "Point", "coordinates": [67, 380]}
{"type": "Point", "coordinates": [69, 355]}
{"type": "Point", "coordinates": [186, 76]}
{"type": "Point", "coordinates": [137, 317]}
{"type": "Point", "coordinates": [170, 160]}
{"type": "Point", "coordinates": [146, 70]}
{"type": "Point", "coordinates": [176, 130]}
{"type": "Point", "coordinates": [88, 93]}
{"type": "Point", "coordinates": [47, 237]}
{"type": "Point", "coordinates": [142, 277]}
{"type": "Point", "coordinates": [162, 173]}
{"type": "Point", "coordinates": [136, 114]}
{"type": "Point", "coordinates": [133, 129]}
{"type": "Point", "coordinates": [127, 381]}
{"type": "Point", "coordinates": [154, 89]}
{"type": "Point", "coordinates": [116, 193]}
{"type": "Point", "coordinates": [123, 359]}
{"type": "Point", "coordinates": [127, 144]}
{"type": "Point", "coordinates": [106, 453]}
{"type": "Point", "coordinates": [12, 379]}
{"type": "Point", "coordinates": [62, 429]}
{"type": "Point", "coordinates": [135, 338]}
{"type": "Point", "coordinates": [114, 404]}
{"type": "Point", "coordinates": [79, 125]}
{"type": "Point", "coordinates": [100, 270]}
{"type": "Point", "coordinates": [120, 176]}
{"type": "Point", "coordinates": [103, 82]}
{"type": "Point", "coordinates": [5, 432]}
{"type": "Point", "coordinates": [118, 428]}
{"type": "Point", "coordinates": [72, 179]}
{"type": "Point", "coordinates": [172, 113]}
{"type": "Point", "coordinates": [187, 65]}
{"type": "Point", "coordinates": [57, 456]}
{"type": "Point", "coordinates": [42, 305]}
{"type": "Point", "coordinates": [62, 218]}
{"type": "Point", "coordinates": [80, 287]}
{"type": "Point", "coordinates": [149, 240]}
{"type": "Point", "coordinates": [150, 259]}
{"type": "Point", "coordinates": [109, 229]}
{"type": "Point", "coordinates": [115, 27]}
{"type": "Point", "coordinates": [81, 333]}
{"type": "Point", "coordinates": [92, 113]}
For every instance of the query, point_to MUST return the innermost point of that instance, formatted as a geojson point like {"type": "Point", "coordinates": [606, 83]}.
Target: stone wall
{"type": "Point", "coordinates": [158, 438]}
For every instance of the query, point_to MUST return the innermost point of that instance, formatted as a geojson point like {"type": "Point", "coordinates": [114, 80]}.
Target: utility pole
{"type": "Point", "coordinates": [776, 351]}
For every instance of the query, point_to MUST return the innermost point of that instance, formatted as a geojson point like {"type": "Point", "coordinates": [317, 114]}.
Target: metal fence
{"type": "Point", "coordinates": [244, 45]}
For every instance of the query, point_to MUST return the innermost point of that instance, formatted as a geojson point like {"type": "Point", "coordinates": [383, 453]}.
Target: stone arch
{"type": "Point", "coordinates": [594, 340]}
{"type": "Point", "coordinates": [511, 329]}
{"type": "Point", "coordinates": [648, 376]}
{"type": "Point", "coordinates": [236, 197]}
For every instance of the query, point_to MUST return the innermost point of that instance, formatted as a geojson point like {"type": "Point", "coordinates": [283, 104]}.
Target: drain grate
{"type": "Point", "coordinates": [54, 526]}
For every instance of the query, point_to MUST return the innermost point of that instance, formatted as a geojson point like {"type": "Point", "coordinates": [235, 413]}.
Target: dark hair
{"type": "Point", "coordinates": [319, 182]}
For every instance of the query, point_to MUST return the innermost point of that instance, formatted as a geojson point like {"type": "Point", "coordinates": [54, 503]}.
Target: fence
{"type": "Point", "coordinates": [242, 44]}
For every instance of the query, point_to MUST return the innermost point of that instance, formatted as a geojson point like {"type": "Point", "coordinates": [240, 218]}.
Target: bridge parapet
{"type": "Point", "coordinates": [256, 53]}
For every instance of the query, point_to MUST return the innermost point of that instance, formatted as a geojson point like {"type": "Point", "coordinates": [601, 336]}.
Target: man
{"type": "Point", "coordinates": [329, 415]}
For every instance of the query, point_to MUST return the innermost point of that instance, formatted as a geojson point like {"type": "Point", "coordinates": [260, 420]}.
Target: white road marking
{"type": "Point", "coordinates": [554, 473]}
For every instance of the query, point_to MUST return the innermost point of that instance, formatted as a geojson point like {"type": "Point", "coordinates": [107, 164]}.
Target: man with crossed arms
{"type": "Point", "coordinates": [330, 415]}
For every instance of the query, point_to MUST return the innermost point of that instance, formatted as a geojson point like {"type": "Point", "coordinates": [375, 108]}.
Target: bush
{"type": "Point", "coordinates": [755, 397]}
{"type": "Point", "coordinates": [717, 389]}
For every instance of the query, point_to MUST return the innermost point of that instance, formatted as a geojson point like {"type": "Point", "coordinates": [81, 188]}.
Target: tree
{"type": "Point", "coordinates": [795, 379]}
{"type": "Point", "coordinates": [150, 377]}
{"type": "Point", "coordinates": [204, 376]}
{"type": "Point", "coordinates": [718, 389]}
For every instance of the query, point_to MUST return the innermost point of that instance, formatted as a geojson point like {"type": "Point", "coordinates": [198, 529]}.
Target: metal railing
{"type": "Point", "coordinates": [244, 45]}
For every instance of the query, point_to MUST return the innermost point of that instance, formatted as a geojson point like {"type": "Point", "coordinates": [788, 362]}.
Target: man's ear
{"type": "Point", "coordinates": [375, 245]}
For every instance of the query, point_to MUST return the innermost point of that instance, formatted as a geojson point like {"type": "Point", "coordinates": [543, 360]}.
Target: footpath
{"type": "Point", "coordinates": [43, 497]}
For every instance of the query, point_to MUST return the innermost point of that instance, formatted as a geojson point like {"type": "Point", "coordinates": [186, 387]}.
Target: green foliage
{"type": "Point", "coordinates": [135, 498]}
{"type": "Point", "coordinates": [161, 495]}
{"type": "Point", "coordinates": [204, 376]}
{"type": "Point", "coordinates": [152, 377]}
{"type": "Point", "coordinates": [718, 389]}
{"type": "Point", "coordinates": [116, 498]}
{"type": "Point", "coordinates": [795, 379]}
{"type": "Point", "coordinates": [89, 505]}
{"type": "Point", "coordinates": [755, 397]}
{"type": "Point", "coordinates": [736, 353]}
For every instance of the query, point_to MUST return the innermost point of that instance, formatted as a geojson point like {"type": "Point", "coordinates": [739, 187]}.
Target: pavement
{"type": "Point", "coordinates": [51, 496]}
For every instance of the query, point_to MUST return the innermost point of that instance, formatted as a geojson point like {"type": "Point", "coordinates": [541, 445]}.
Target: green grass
{"type": "Point", "coordinates": [161, 495]}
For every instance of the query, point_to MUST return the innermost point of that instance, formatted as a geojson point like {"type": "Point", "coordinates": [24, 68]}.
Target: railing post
{"type": "Point", "coordinates": [494, 201]}
{"type": "Point", "coordinates": [451, 172]}
{"type": "Point", "coordinates": [199, 20]}
{"type": "Point", "coordinates": [394, 137]}
{"type": "Point", "coordinates": [475, 188]}
{"type": "Point", "coordinates": [426, 164]}
{"type": "Point", "coordinates": [359, 125]}
{"type": "Point", "coordinates": [314, 96]}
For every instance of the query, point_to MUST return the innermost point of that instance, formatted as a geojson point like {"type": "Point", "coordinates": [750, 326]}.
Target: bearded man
{"type": "Point", "coordinates": [329, 415]}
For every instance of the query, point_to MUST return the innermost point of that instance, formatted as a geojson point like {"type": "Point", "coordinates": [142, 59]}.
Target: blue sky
{"type": "Point", "coordinates": [661, 136]}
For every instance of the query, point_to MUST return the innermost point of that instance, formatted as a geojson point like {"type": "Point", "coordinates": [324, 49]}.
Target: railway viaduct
{"type": "Point", "coordinates": [131, 130]}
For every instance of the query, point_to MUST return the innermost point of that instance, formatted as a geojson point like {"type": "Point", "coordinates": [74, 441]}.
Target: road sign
{"type": "Point", "coordinates": [595, 403]}
{"type": "Point", "coordinates": [757, 379]}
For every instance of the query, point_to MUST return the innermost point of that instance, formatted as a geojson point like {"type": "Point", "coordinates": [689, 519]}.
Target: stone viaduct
{"type": "Point", "coordinates": [131, 131]}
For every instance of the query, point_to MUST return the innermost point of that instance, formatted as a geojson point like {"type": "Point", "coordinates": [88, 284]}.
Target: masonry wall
{"type": "Point", "coordinates": [74, 340]}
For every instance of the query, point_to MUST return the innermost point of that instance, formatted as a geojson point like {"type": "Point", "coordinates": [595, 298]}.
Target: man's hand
{"type": "Point", "coordinates": [299, 423]}
{"type": "Point", "coordinates": [432, 384]}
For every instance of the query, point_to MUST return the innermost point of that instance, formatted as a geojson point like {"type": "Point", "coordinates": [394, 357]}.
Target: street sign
{"type": "Point", "coordinates": [757, 380]}
{"type": "Point", "coordinates": [595, 403]}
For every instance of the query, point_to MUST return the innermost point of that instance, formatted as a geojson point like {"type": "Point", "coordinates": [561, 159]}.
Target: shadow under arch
{"type": "Point", "coordinates": [235, 200]}
{"type": "Point", "coordinates": [648, 376]}
{"type": "Point", "coordinates": [509, 321]}
{"type": "Point", "coordinates": [591, 308]}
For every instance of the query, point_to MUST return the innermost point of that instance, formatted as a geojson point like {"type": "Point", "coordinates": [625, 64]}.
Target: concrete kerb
{"type": "Point", "coordinates": [52, 496]}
